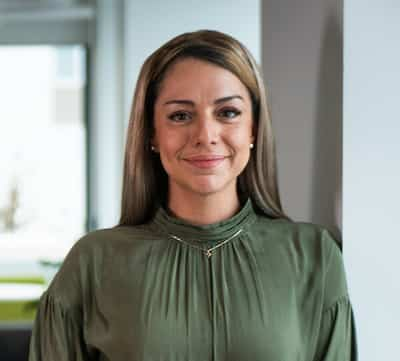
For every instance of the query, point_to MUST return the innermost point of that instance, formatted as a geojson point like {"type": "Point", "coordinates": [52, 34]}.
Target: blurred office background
{"type": "Point", "coordinates": [67, 74]}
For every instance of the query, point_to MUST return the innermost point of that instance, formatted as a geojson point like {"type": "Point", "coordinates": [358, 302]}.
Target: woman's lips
{"type": "Point", "coordinates": [206, 162]}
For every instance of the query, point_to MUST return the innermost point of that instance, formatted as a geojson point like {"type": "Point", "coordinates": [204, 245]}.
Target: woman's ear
{"type": "Point", "coordinates": [253, 133]}
{"type": "Point", "coordinates": [153, 139]}
{"type": "Point", "coordinates": [154, 144]}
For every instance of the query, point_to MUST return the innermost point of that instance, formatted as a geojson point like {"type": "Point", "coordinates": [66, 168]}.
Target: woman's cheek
{"type": "Point", "coordinates": [173, 142]}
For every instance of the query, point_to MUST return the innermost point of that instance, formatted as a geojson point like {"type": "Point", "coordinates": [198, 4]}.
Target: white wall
{"type": "Point", "coordinates": [371, 172]}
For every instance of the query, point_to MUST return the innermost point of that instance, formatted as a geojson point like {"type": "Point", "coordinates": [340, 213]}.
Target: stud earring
{"type": "Point", "coordinates": [153, 148]}
{"type": "Point", "coordinates": [251, 145]}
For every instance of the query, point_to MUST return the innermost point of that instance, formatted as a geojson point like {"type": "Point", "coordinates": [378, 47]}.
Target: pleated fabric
{"type": "Point", "coordinates": [276, 291]}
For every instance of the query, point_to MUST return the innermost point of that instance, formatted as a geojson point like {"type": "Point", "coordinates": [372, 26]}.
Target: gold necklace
{"type": "Point", "coordinates": [207, 252]}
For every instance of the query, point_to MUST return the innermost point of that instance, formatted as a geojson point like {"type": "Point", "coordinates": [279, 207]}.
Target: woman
{"type": "Point", "coordinates": [204, 264]}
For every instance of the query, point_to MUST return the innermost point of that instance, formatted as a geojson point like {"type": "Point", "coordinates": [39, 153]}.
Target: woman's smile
{"type": "Point", "coordinates": [205, 161]}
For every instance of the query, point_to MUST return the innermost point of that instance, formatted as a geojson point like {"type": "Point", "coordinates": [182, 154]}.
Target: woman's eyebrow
{"type": "Point", "coordinates": [190, 102]}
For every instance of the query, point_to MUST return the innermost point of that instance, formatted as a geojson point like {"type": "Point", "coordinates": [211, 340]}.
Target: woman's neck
{"type": "Point", "coordinates": [203, 209]}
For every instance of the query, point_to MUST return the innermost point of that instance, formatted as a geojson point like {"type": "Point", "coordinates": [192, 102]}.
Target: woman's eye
{"type": "Point", "coordinates": [229, 113]}
{"type": "Point", "coordinates": [179, 117]}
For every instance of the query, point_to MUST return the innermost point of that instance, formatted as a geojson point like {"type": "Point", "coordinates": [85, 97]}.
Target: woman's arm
{"type": "Point", "coordinates": [337, 339]}
{"type": "Point", "coordinates": [58, 333]}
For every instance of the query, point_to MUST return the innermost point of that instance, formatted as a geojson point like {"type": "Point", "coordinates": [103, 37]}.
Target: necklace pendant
{"type": "Point", "coordinates": [209, 253]}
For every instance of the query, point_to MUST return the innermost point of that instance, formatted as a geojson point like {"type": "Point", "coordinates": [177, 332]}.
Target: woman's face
{"type": "Point", "coordinates": [203, 127]}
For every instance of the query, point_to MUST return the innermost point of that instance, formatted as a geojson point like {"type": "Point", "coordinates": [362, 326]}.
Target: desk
{"type": "Point", "coordinates": [15, 336]}
{"type": "Point", "coordinates": [20, 291]}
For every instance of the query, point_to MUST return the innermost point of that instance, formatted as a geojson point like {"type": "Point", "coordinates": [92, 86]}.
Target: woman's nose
{"type": "Point", "coordinates": [206, 130]}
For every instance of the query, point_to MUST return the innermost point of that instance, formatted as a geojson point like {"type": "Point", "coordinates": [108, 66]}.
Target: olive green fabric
{"type": "Point", "coordinates": [275, 292]}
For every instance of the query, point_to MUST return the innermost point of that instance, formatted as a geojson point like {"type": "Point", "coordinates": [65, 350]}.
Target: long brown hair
{"type": "Point", "coordinates": [145, 182]}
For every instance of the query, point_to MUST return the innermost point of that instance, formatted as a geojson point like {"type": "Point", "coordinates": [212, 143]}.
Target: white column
{"type": "Point", "coordinates": [371, 173]}
{"type": "Point", "coordinates": [107, 114]}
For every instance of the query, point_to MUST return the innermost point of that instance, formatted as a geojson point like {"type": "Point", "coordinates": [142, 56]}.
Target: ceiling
{"type": "Point", "coordinates": [23, 5]}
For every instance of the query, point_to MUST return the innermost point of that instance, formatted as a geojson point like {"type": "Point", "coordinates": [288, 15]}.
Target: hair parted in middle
{"type": "Point", "coordinates": [145, 182]}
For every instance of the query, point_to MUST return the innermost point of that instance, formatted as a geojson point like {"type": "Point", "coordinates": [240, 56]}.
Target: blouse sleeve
{"type": "Point", "coordinates": [337, 332]}
{"type": "Point", "coordinates": [337, 335]}
{"type": "Point", "coordinates": [57, 333]}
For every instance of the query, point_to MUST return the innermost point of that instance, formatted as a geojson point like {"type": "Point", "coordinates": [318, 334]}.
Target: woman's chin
{"type": "Point", "coordinates": [209, 187]}
{"type": "Point", "coordinates": [202, 185]}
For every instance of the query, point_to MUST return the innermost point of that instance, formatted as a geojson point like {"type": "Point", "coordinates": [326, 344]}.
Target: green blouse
{"type": "Point", "coordinates": [276, 291]}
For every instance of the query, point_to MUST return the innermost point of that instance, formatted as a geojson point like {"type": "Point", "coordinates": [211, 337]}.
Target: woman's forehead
{"type": "Point", "coordinates": [199, 79]}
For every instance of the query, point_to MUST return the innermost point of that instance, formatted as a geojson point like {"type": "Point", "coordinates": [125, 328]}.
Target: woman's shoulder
{"type": "Point", "coordinates": [283, 225]}
{"type": "Point", "coordinates": [308, 249]}
{"type": "Point", "coordinates": [305, 238]}
{"type": "Point", "coordinates": [84, 264]}
{"type": "Point", "coordinates": [90, 246]}
{"type": "Point", "coordinates": [100, 239]}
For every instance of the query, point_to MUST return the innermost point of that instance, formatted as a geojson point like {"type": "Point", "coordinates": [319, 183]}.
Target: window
{"type": "Point", "coordinates": [43, 195]}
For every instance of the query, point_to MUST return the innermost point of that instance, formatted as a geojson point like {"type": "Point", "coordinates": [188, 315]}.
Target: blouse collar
{"type": "Point", "coordinates": [168, 223]}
